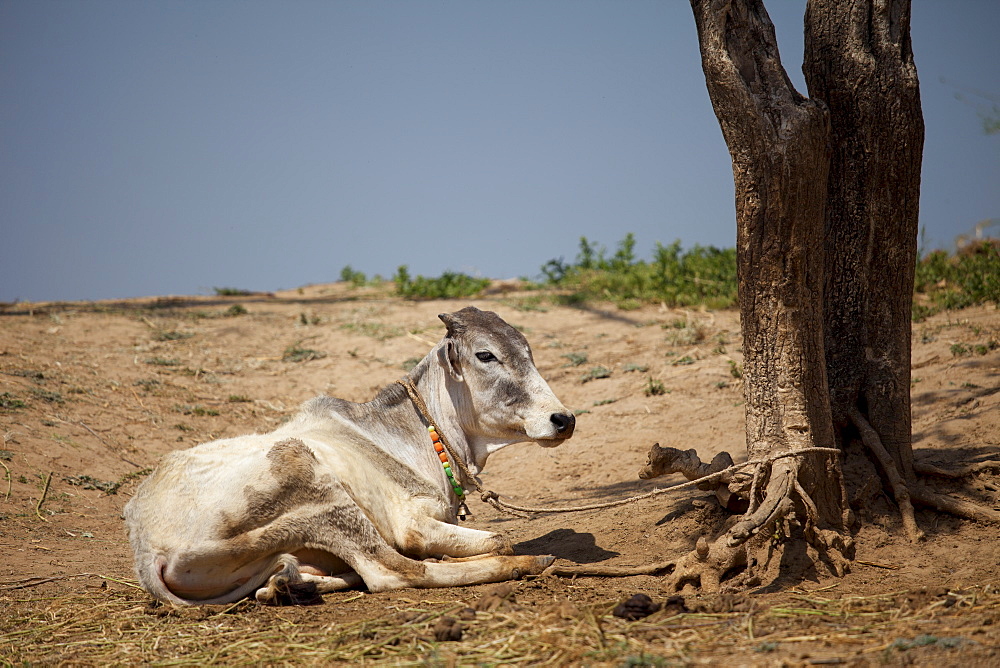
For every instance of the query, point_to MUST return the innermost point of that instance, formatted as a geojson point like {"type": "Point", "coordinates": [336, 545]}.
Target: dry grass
{"type": "Point", "coordinates": [117, 625]}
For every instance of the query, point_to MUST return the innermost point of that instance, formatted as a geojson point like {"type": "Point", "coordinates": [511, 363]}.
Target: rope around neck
{"type": "Point", "coordinates": [493, 499]}
{"type": "Point", "coordinates": [468, 475]}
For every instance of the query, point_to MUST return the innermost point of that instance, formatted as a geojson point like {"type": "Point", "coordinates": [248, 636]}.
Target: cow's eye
{"type": "Point", "coordinates": [486, 356]}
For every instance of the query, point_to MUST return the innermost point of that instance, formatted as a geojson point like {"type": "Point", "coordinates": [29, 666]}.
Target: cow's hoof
{"type": "Point", "coordinates": [289, 593]}
{"type": "Point", "coordinates": [531, 565]}
{"type": "Point", "coordinates": [266, 596]}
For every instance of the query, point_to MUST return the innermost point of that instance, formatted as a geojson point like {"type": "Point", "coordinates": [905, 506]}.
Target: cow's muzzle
{"type": "Point", "coordinates": [564, 423]}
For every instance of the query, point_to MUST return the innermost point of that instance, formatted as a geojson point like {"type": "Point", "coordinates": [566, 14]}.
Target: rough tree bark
{"type": "Point", "coordinates": [859, 62]}
{"type": "Point", "coordinates": [779, 142]}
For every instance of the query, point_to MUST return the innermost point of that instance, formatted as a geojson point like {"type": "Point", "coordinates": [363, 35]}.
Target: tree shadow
{"type": "Point", "coordinates": [581, 548]}
{"type": "Point", "coordinates": [603, 313]}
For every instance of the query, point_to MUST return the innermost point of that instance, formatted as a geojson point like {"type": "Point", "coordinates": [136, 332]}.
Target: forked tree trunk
{"type": "Point", "coordinates": [827, 192]}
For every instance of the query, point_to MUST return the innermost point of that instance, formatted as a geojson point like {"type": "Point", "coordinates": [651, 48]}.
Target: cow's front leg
{"type": "Point", "coordinates": [426, 537]}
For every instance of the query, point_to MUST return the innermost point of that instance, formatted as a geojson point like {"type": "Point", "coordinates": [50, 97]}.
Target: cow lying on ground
{"type": "Point", "coordinates": [348, 493]}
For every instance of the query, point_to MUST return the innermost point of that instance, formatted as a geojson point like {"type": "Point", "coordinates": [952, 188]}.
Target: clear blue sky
{"type": "Point", "coordinates": [157, 147]}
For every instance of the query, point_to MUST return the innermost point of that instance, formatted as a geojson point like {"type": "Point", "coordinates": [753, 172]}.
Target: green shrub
{"type": "Point", "coordinates": [162, 361]}
{"type": "Point", "coordinates": [595, 373]}
{"type": "Point", "coordinates": [575, 359]}
{"type": "Point", "coordinates": [706, 276]}
{"type": "Point", "coordinates": [654, 388]}
{"type": "Point", "coordinates": [701, 276]}
{"type": "Point", "coordinates": [296, 353]}
{"type": "Point", "coordinates": [357, 279]}
{"type": "Point", "coordinates": [231, 292]}
{"type": "Point", "coordinates": [10, 402]}
{"type": "Point", "coordinates": [969, 278]}
{"type": "Point", "coordinates": [171, 335]}
{"type": "Point", "coordinates": [449, 285]}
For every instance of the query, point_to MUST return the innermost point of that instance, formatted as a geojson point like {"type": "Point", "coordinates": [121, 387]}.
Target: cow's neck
{"type": "Point", "coordinates": [441, 403]}
{"type": "Point", "coordinates": [400, 420]}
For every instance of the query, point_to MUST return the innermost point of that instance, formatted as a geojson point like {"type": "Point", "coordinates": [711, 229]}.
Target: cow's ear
{"type": "Point", "coordinates": [453, 322]}
{"type": "Point", "coordinates": [449, 354]}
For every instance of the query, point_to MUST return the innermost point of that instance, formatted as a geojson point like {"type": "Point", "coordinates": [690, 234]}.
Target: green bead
{"type": "Point", "coordinates": [458, 491]}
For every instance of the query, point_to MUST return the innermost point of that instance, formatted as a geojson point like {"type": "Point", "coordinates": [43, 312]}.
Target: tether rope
{"type": "Point", "coordinates": [493, 499]}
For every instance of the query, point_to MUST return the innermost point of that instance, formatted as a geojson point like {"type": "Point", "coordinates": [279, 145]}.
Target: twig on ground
{"type": "Point", "coordinates": [45, 490]}
{"type": "Point", "coordinates": [9, 481]}
{"type": "Point", "coordinates": [36, 581]}
{"type": "Point", "coordinates": [609, 571]}
{"type": "Point", "coordinates": [422, 340]}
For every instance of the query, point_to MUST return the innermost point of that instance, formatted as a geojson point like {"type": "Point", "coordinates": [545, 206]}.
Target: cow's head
{"type": "Point", "coordinates": [500, 396]}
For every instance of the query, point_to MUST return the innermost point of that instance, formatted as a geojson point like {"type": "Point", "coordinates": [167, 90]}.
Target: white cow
{"type": "Point", "coordinates": [348, 493]}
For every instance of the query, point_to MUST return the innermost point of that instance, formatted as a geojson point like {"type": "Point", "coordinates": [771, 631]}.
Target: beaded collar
{"type": "Point", "coordinates": [443, 456]}
{"type": "Point", "coordinates": [443, 450]}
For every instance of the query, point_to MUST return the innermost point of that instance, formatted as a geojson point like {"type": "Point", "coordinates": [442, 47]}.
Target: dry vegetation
{"type": "Point", "coordinates": [91, 395]}
{"type": "Point", "coordinates": [818, 627]}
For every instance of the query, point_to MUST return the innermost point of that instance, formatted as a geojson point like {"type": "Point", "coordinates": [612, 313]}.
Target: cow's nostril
{"type": "Point", "coordinates": [563, 421]}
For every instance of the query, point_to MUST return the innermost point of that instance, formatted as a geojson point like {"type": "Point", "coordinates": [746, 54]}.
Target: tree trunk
{"type": "Point", "coordinates": [779, 144]}
{"type": "Point", "coordinates": [859, 61]}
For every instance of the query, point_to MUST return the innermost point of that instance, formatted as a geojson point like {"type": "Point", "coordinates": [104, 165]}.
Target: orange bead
{"type": "Point", "coordinates": [443, 456]}
{"type": "Point", "coordinates": [438, 447]}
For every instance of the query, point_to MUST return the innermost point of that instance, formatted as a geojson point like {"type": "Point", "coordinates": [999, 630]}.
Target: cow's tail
{"type": "Point", "coordinates": [151, 577]}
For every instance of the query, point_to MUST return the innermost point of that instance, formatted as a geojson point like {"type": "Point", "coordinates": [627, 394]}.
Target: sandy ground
{"type": "Point", "coordinates": [96, 393]}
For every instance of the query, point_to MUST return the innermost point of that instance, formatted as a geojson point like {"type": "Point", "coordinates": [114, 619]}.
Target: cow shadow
{"type": "Point", "coordinates": [581, 548]}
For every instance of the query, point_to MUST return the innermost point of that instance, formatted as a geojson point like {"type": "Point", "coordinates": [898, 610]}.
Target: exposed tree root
{"type": "Point", "coordinates": [900, 490]}
{"type": "Point", "coordinates": [776, 497]}
{"type": "Point", "coordinates": [777, 503]}
{"type": "Point", "coordinates": [917, 493]}
{"type": "Point", "coordinates": [954, 474]}
{"type": "Point", "coordinates": [707, 564]}
{"type": "Point", "coordinates": [953, 506]}
{"type": "Point", "coordinates": [749, 544]}
{"type": "Point", "coordinates": [664, 461]}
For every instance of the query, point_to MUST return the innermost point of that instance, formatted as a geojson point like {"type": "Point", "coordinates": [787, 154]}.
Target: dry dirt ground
{"type": "Point", "coordinates": [92, 395]}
